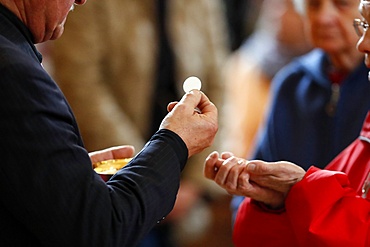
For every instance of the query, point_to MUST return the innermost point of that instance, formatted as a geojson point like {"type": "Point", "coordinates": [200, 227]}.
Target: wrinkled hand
{"type": "Point", "coordinates": [262, 181]}
{"type": "Point", "coordinates": [196, 129]}
{"type": "Point", "coordinates": [279, 176]}
{"type": "Point", "coordinates": [118, 152]}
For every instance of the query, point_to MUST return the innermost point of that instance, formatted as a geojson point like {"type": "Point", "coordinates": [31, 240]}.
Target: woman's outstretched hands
{"type": "Point", "coordinates": [267, 182]}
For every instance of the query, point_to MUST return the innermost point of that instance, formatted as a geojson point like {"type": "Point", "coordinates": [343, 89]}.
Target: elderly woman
{"type": "Point", "coordinates": [287, 206]}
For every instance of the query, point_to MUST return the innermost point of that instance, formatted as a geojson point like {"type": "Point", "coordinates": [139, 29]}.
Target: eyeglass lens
{"type": "Point", "coordinates": [360, 26]}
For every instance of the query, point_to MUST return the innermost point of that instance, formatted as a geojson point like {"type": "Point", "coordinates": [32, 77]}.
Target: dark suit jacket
{"type": "Point", "coordinates": [50, 196]}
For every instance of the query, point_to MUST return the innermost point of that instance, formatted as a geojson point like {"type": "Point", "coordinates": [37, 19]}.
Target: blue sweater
{"type": "Point", "coordinates": [298, 127]}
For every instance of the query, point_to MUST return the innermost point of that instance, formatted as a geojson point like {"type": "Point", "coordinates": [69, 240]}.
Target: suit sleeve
{"type": "Point", "coordinates": [47, 183]}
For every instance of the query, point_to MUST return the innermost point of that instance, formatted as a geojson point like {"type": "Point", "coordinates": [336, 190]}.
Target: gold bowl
{"type": "Point", "coordinates": [107, 168]}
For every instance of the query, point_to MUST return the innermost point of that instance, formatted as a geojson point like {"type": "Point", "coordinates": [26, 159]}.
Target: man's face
{"type": "Point", "coordinates": [46, 18]}
{"type": "Point", "coordinates": [56, 16]}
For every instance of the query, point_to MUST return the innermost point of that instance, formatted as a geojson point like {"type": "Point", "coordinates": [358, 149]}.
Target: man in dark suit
{"type": "Point", "coordinates": [50, 195]}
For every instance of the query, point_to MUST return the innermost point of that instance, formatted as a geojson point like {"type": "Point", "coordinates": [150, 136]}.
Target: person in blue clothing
{"type": "Point", "coordinates": [320, 100]}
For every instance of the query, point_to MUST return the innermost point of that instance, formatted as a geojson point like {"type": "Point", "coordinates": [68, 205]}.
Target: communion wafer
{"type": "Point", "coordinates": [191, 83]}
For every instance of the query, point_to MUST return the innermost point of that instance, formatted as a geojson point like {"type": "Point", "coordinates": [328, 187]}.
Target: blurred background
{"type": "Point", "coordinates": [120, 62]}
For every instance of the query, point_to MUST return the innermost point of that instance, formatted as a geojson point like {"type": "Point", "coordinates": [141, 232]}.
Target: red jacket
{"type": "Point", "coordinates": [326, 208]}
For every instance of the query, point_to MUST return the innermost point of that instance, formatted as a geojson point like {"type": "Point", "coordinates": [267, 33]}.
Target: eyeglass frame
{"type": "Point", "coordinates": [358, 24]}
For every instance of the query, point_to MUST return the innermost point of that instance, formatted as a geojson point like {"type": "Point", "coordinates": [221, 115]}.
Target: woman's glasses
{"type": "Point", "coordinates": [360, 26]}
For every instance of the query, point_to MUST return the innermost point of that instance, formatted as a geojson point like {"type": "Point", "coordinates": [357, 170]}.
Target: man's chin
{"type": "Point", "coordinates": [57, 33]}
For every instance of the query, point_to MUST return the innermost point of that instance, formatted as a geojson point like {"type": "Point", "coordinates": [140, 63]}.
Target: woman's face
{"type": "Point", "coordinates": [363, 44]}
{"type": "Point", "coordinates": [331, 24]}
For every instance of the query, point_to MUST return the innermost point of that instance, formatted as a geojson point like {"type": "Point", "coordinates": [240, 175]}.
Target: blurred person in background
{"type": "Point", "coordinates": [241, 19]}
{"type": "Point", "coordinates": [319, 101]}
{"type": "Point", "coordinates": [278, 38]}
{"type": "Point", "coordinates": [133, 58]}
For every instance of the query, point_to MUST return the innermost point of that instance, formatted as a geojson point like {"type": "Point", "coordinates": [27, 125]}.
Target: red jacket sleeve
{"type": "Point", "coordinates": [324, 210]}
{"type": "Point", "coordinates": [321, 210]}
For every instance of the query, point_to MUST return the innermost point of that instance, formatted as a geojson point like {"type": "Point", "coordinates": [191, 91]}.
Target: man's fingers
{"type": "Point", "coordinates": [171, 105]}
{"type": "Point", "coordinates": [123, 152]}
{"type": "Point", "coordinates": [118, 152]}
{"type": "Point", "coordinates": [205, 105]}
{"type": "Point", "coordinates": [192, 99]}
